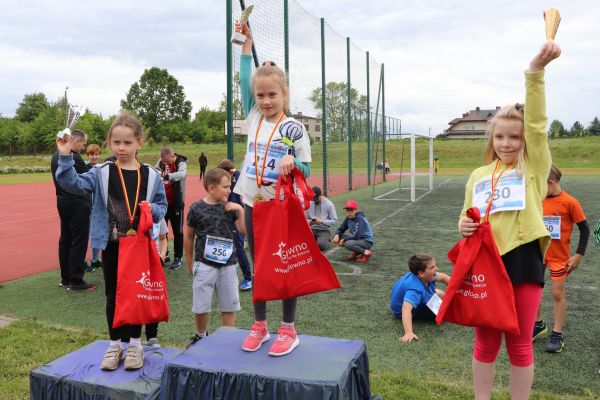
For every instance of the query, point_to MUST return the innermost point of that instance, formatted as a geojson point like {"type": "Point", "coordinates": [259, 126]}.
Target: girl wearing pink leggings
{"type": "Point", "coordinates": [514, 179]}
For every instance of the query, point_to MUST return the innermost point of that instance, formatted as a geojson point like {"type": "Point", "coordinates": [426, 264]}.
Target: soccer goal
{"type": "Point", "coordinates": [416, 164]}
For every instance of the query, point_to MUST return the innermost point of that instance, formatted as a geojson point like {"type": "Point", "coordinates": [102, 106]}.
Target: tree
{"type": "Point", "coordinates": [336, 107]}
{"type": "Point", "coordinates": [577, 130]}
{"type": "Point", "coordinates": [557, 130]}
{"type": "Point", "coordinates": [41, 132]}
{"type": "Point", "coordinates": [31, 106]}
{"type": "Point", "coordinates": [94, 126]}
{"type": "Point", "coordinates": [209, 126]}
{"type": "Point", "coordinates": [238, 110]}
{"type": "Point", "coordinates": [158, 100]}
{"type": "Point", "coordinates": [594, 128]}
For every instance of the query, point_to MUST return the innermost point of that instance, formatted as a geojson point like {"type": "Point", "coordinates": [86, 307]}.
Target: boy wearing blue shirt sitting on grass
{"type": "Point", "coordinates": [411, 293]}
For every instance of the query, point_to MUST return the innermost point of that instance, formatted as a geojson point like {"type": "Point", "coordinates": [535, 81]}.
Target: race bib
{"type": "Point", "coordinates": [509, 194]}
{"type": "Point", "coordinates": [552, 223]}
{"type": "Point", "coordinates": [218, 249]}
{"type": "Point", "coordinates": [434, 303]}
{"type": "Point", "coordinates": [271, 164]}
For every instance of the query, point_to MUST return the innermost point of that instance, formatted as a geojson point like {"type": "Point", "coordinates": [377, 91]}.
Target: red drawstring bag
{"type": "Point", "coordinates": [141, 284]}
{"type": "Point", "coordinates": [287, 259]}
{"type": "Point", "coordinates": [480, 292]}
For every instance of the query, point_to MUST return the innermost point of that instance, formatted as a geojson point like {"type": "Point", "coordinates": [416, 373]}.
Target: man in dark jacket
{"type": "Point", "coordinates": [173, 169]}
{"type": "Point", "coordinates": [74, 213]}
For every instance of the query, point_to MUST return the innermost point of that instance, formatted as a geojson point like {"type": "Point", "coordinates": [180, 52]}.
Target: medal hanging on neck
{"type": "Point", "coordinates": [259, 197]}
{"type": "Point", "coordinates": [131, 231]}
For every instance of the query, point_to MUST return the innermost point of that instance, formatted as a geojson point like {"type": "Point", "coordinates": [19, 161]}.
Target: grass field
{"type": "Point", "coordinates": [54, 322]}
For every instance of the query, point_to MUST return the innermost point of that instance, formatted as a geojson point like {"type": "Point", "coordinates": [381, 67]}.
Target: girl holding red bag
{"type": "Point", "coordinates": [513, 184]}
{"type": "Point", "coordinates": [276, 145]}
{"type": "Point", "coordinates": [118, 188]}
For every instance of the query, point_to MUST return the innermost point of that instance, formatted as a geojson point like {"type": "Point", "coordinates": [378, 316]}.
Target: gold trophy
{"type": "Point", "coordinates": [237, 37]}
{"type": "Point", "coordinates": [552, 18]}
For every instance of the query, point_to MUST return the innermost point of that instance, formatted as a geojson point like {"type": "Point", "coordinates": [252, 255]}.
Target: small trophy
{"type": "Point", "coordinates": [552, 18]}
{"type": "Point", "coordinates": [237, 37]}
{"type": "Point", "coordinates": [63, 133]}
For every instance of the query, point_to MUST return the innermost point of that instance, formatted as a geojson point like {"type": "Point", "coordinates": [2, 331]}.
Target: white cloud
{"type": "Point", "coordinates": [441, 57]}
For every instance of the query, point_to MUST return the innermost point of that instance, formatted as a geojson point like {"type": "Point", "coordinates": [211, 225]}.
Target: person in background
{"type": "Point", "coordinates": [321, 217]}
{"type": "Point", "coordinates": [238, 238]}
{"type": "Point", "coordinates": [203, 161]}
{"type": "Point", "coordinates": [360, 238]}
{"type": "Point", "coordinates": [173, 169]}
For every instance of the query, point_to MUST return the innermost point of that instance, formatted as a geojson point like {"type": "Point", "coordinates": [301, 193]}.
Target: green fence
{"type": "Point", "coordinates": [351, 108]}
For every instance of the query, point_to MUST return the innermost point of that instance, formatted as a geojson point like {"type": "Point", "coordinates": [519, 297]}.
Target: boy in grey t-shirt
{"type": "Point", "coordinates": [210, 223]}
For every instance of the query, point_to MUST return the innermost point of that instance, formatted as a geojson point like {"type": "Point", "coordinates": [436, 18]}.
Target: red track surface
{"type": "Point", "coordinates": [30, 227]}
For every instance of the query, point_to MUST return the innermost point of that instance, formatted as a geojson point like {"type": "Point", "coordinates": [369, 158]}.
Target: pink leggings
{"type": "Point", "coordinates": [519, 348]}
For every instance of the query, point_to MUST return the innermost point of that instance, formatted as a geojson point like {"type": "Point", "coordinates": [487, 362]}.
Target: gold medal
{"type": "Point", "coordinates": [131, 232]}
{"type": "Point", "coordinates": [258, 198]}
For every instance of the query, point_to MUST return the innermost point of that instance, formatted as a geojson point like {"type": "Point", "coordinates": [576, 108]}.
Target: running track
{"type": "Point", "coordinates": [30, 227]}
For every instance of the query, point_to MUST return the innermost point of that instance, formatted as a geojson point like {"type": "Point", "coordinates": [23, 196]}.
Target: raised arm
{"type": "Point", "coordinates": [246, 69]}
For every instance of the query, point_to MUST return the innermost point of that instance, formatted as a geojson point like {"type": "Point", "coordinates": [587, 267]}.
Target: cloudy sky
{"type": "Point", "coordinates": [441, 57]}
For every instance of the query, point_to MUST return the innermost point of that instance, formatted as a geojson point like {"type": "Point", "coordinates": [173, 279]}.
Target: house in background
{"type": "Point", "coordinates": [312, 125]}
{"type": "Point", "coordinates": [471, 125]}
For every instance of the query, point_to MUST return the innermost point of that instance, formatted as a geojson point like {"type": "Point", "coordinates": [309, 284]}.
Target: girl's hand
{"type": "Point", "coordinates": [64, 145]}
{"type": "Point", "coordinates": [407, 338]}
{"type": "Point", "coordinates": [244, 30]}
{"type": "Point", "coordinates": [468, 227]}
{"type": "Point", "coordinates": [287, 165]}
{"type": "Point", "coordinates": [547, 53]}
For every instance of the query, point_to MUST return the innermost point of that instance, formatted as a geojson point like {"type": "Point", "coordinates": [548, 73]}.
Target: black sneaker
{"type": "Point", "coordinates": [539, 329]}
{"type": "Point", "coordinates": [176, 264]}
{"type": "Point", "coordinates": [97, 264]}
{"type": "Point", "coordinates": [87, 267]}
{"type": "Point", "coordinates": [555, 343]}
{"type": "Point", "coordinates": [83, 286]}
{"type": "Point", "coordinates": [64, 283]}
{"type": "Point", "coordinates": [167, 257]}
{"type": "Point", "coordinates": [195, 339]}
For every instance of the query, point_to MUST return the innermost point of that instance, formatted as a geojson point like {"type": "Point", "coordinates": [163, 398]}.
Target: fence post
{"type": "Point", "coordinates": [349, 116]}
{"type": "Point", "coordinates": [323, 107]}
{"type": "Point", "coordinates": [384, 133]}
{"type": "Point", "coordinates": [286, 41]}
{"type": "Point", "coordinates": [228, 33]}
{"type": "Point", "coordinates": [368, 124]}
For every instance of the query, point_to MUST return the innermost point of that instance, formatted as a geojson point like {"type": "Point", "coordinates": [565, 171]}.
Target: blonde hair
{"type": "Point", "coordinates": [127, 120]}
{"type": "Point", "coordinates": [513, 112]}
{"type": "Point", "coordinates": [270, 69]}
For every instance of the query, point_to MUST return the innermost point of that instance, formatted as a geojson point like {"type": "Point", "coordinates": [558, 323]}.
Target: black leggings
{"type": "Point", "coordinates": [110, 260]}
{"type": "Point", "coordinates": [260, 307]}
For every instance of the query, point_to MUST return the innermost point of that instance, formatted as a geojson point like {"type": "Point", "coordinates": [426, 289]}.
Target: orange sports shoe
{"type": "Point", "coordinates": [257, 336]}
{"type": "Point", "coordinates": [286, 341]}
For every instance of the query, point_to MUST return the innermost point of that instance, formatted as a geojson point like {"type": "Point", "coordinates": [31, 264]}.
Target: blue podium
{"type": "Point", "coordinates": [217, 368]}
{"type": "Point", "coordinates": [77, 376]}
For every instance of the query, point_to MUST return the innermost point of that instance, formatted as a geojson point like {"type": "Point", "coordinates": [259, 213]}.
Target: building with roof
{"type": "Point", "coordinates": [472, 125]}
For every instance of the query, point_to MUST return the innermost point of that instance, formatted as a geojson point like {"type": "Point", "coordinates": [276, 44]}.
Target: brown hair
{"type": "Point", "coordinates": [126, 119]}
{"type": "Point", "coordinates": [269, 68]}
{"type": "Point", "coordinates": [554, 174]}
{"type": "Point", "coordinates": [214, 177]}
{"type": "Point", "coordinates": [418, 262]}
{"type": "Point", "coordinates": [226, 164]}
{"type": "Point", "coordinates": [93, 148]}
{"type": "Point", "coordinates": [514, 112]}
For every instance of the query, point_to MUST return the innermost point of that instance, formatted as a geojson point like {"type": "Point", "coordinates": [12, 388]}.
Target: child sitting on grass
{"type": "Point", "coordinates": [411, 293]}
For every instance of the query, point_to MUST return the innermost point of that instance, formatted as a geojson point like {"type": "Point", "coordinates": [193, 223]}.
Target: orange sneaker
{"type": "Point", "coordinates": [286, 341]}
{"type": "Point", "coordinates": [365, 256]}
{"type": "Point", "coordinates": [257, 336]}
{"type": "Point", "coordinates": [353, 256]}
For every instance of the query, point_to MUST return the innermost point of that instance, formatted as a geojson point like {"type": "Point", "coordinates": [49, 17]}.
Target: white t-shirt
{"type": "Point", "coordinates": [290, 137]}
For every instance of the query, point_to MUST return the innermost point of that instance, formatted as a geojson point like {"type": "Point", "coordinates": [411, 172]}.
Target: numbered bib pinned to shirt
{"type": "Point", "coordinates": [509, 194]}
{"type": "Point", "coordinates": [218, 249]}
{"type": "Point", "coordinates": [274, 155]}
{"type": "Point", "coordinates": [552, 223]}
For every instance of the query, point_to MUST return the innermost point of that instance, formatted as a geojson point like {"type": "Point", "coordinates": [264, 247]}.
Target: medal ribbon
{"type": "Point", "coordinates": [137, 193]}
{"type": "Point", "coordinates": [262, 172]}
{"type": "Point", "coordinates": [494, 185]}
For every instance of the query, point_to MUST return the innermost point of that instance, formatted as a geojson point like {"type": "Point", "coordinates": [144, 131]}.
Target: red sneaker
{"type": "Point", "coordinates": [257, 336]}
{"type": "Point", "coordinates": [286, 341]}
{"type": "Point", "coordinates": [365, 256]}
{"type": "Point", "coordinates": [353, 256]}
